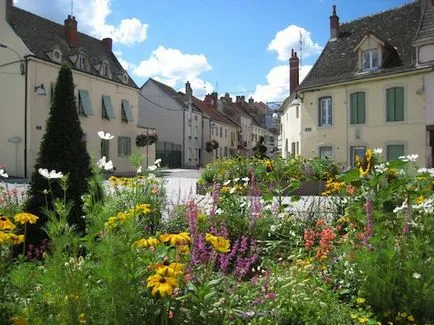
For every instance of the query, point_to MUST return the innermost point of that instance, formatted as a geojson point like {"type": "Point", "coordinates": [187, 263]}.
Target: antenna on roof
{"type": "Point", "coordinates": [301, 47]}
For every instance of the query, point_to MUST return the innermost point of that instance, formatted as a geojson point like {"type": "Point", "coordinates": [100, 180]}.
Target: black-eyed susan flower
{"type": "Point", "coordinates": [150, 242]}
{"type": "Point", "coordinates": [143, 208]}
{"type": "Point", "coordinates": [16, 239]}
{"type": "Point", "coordinates": [6, 224]}
{"type": "Point", "coordinates": [4, 237]}
{"type": "Point", "coordinates": [183, 238]}
{"type": "Point", "coordinates": [220, 244]}
{"type": "Point", "coordinates": [169, 269]}
{"type": "Point", "coordinates": [163, 285]}
{"type": "Point", "coordinates": [25, 217]}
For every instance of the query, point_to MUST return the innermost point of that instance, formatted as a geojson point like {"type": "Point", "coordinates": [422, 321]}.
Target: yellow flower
{"type": "Point", "coordinates": [4, 237]}
{"type": "Point", "coordinates": [183, 249]}
{"type": "Point", "coordinates": [82, 318]}
{"type": "Point", "coordinates": [25, 217]}
{"type": "Point", "coordinates": [420, 199]}
{"type": "Point", "coordinates": [169, 269]}
{"type": "Point", "coordinates": [410, 318]}
{"type": "Point", "coordinates": [146, 242]}
{"type": "Point", "coordinates": [362, 320]}
{"type": "Point", "coordinates": [220, 244]}
{"type": "Point", "coordinates": [6, 224]}
{"type": "Point", "coordinates": [163, 285]}
{"type": "Point", "coordinates": [360, 301]}
{"type": "Point", "coordinates": [366, 164]}
{"type": "Point", "coordinates": [18, 320]}
{"type": "Point", "coordinates": [143, 208]}
{"type": "Point", "coordinates": [183, 238]}
{"type": "Point", "coordinates": [16, 239]}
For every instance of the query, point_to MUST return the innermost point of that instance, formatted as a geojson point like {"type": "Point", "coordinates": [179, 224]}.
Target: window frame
{"type": "Point", "coordinates": [388, 146]}
{"type": "Point", "coordinates": [124, 146]}
{"type": "Point", "coordinates": [354, 120]}
{"type": "Point", "coordinates": [371, 66]}
{"type": "Point", "coordinates": [328, 109]}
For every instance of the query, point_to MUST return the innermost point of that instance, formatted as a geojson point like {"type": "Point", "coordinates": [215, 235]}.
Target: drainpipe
{"type": "Point", "coordinates": [347, 125]}
{"type": "Point", "coordinates": [25, 117]}
{"type": "Point", "coordinates": [183, 139]}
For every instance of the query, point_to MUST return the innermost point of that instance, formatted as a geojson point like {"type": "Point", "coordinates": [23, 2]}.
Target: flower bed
{"type": "Point", "coordinates": [233, 259]}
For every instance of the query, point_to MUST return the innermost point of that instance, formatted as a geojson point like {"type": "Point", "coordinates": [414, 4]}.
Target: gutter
{"type": "Point", "coordinates": [363, 79]}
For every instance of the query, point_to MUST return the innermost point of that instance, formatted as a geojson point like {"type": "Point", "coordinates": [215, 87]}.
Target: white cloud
{"type": "Point", "coordinates": [124, 63]}
{"type": "Point", "coordinates": [277, 87]}
{"type": "Point", "coordinates": [92, 18]}
{"type": "Point", "coordinates": [289, 38]}
{"type": "Point", "coordinates": [171, 65]}
{"type": "Point", "coordinates": [200, 87]}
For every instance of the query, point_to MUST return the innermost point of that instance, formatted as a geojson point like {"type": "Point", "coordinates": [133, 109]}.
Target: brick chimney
{"type": "Point", "coordinates": [334, 25]}
{"type": "Point", "coordinates": [71, 31]}
{"type": "Point", "coordinates": [108, 42]}
{"type": "Point", "coordinates": [8, 8]}
{"type": "Point", "coordinates": [293, 71]}
{"type": "Point", "coordinates": [251, 101]}
{"type": "Point", "coordinates": [209, 100]}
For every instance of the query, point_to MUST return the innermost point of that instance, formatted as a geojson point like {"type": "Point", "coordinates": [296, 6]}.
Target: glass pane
{"type": "Point", "coordinates": [395, 151]}
{"type": "Point", "coordinates": [374, 57]}
{"type": "Point", "coordinates": [366, 60]}
{"type": "Point", "coordinates": [325, 152]}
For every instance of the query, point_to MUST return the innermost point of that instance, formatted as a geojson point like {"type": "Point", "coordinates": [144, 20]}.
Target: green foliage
{"type": "Point", "coordinates": [62, 149]}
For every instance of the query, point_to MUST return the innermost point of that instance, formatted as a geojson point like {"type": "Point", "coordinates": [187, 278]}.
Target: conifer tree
{"type": "Point", "coordinates": [63, 149]}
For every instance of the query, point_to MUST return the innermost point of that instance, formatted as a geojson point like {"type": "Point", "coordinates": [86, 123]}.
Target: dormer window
{"type": "Point", "coordinates": [82, 62]}
{"type": "Point", "coordinates": [105, 70]}
{"type": "Point", "coordinates": [56, 56]}
{"type": "Point", "coordinates": [370, 59]}
{"type": "Point", "coordinates": [125, 78]}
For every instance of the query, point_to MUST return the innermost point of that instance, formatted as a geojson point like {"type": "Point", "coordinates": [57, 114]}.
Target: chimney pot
{"type": "Point", "coordinates": [188, 90]}
{"type": "Point", "coordinates": [108, 42]}
{"type": "Point", "coordinates": [251, 100]}
{"type": "Point", "coordinates": [293, 72]}
{"type": "Point", "coordinates": [334, 25]}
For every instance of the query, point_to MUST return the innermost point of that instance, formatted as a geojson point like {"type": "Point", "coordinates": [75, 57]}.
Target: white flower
{"type": "Point", "coordinates": [152, 168]}
{"type": "Point", "coordinates": [272, 228]}
{"type": "Point", "coordinates": [430, 171]}
{"type": "Point", "coordinates": [236, 179]}
{"type": "Point", "coordinates": [412, 157]}
{"type": "Point", "coordinates": [378, 151]}
{"type": "Point", "coordinates": [139, 170]}
{"type": "Point", "coordinates": [157, 162]}
{"type": "Point", "coordinates": [245, 179]}
{"type": "Point", "coordinates": [3, 173]}
{"type": "Point", "coordinates": [218, 211]}
{"type": "Point", "coordinates": [49, 175]}
{"type": "Point", "coordinates": [232, 190]}
{"type": "Point", "coordinates": [402, 207]}
{"type": "Point", "coordinates": [227, 182]}
{"type": "Point", "coordinates": [102, 163]}
{"type": "Point", "coordinates": [381, 168]}
{"type": "Point", "coordinates": [105, 136]}
{"type": "Point", "coordinates": [416, 275]}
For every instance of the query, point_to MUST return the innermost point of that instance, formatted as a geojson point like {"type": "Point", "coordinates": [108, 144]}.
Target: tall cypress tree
{"type": "Point", "coordinates": [63, 149]}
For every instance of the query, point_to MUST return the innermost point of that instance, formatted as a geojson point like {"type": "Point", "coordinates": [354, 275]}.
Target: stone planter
{"type": "Point", "coordinates": [307, 188]}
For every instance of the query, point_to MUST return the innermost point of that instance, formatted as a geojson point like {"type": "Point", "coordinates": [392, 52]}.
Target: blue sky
{"type": "Point", "coordinates": [235, 46]}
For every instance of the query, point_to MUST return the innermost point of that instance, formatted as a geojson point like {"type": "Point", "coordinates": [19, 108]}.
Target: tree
{"type": "Point", "coordinates": [63, 149]}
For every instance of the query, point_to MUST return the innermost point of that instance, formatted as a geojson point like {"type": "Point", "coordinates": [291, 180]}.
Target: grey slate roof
{"type": "Point", "coordinates": [41, 35]}
{"type": "Point", "coordinates": [426, 31]}
{"type": "Point", "coordinates": [338, 62]}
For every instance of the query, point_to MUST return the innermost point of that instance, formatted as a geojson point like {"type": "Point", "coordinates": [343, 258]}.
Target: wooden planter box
{"type": "Point", "coordinates": [307, 188]}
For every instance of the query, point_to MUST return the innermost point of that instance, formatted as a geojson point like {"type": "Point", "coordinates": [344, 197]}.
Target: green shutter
{"type": "Point", "coordinates": [84, 97]}
{"type": "Point", "coordinates": [353, 108]}
{"type": "Point", "coordinates": [390, 104]}
{"type": "Point", "coordinates": [108, 107]}
{"type": "Point", "coordinates": [127, 110]}
{"type": "Point", "coordinates": [399, 104]}
{"type": "Point", "coordinates": [395, 151]}
{"type": "Point", "coordinates": [319, 112]}
{"type": "Point", "coordinates": [361, 108]}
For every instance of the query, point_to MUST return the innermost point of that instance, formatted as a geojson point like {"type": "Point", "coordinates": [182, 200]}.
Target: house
{"type": "Point", "coordinates": [178, 123]}
{"type": "Point", "coordinates": [368, 89]}
{"type": "Point", "coordinates": [32, 51]}
{"type": "Point", "coordinates": [223, 131]}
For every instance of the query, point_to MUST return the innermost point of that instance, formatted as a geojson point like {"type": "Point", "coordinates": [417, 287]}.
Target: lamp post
{"type": "Point", "coordinates": [20, 58]}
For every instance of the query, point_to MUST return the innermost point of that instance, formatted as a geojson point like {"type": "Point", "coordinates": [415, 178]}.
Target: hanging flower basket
{"type": "Point", "coordinates": [146, 138]}
{"type": "Point", "coordinates": [211, 145]}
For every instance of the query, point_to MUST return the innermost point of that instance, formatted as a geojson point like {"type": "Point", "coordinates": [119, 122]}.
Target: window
{"type": "Point", "coordinates": [357, 107]}
{"type": "Point", "coordinates": [293, 148]}
{"type": "Point", "coordinates": [124, 146]}
{"type": "Point", "coordinates": [82, 62]}
{"type": "Point", "coordinates": [394, 151]}
{"type": "Point", "coordinates": [298, 148]}
{"type": "Point", "coordinates": [84, 106]}
{"type": "Point", "coordinates": [370, 59]}
{"type": "Point", "coordinates": [221, 132]}
{"type": "Point", "coordinates": [105, 70]}
{"type": "Point", "coordinates": [195, 117]}
{"type": "Point", "coordinates": [325, 111]}
{"type": "Point", "coordinates": [395, 104]}
{"type": "Point", "coordinates": [226, 133]}
{"type": "Point", "coordinates": [105, 148]}
{"type": "Point", "coordinates": [52, 90]}
{"type": "Point", "coordinates": [126, 112]}
{"type": "Point", "coordinates": [297, 111]}
{"type": "Point", "coordinates": [356, 151]}
{"type": "Point", "coordinates": [57, 56]}
{"type": "Point", "coordinates": [326, 152]}
{"type": "Point", "coordinates": [226, 151]}
{"type": "Point", "coordinates": [107, 108]}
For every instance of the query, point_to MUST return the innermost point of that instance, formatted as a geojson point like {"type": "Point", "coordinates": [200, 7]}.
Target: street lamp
{"type": "Point", "coordinates": [21, 60]}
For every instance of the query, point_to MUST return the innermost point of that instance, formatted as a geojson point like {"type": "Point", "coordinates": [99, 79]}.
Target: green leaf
{"type": "Point", "coordinates": [214, 282]}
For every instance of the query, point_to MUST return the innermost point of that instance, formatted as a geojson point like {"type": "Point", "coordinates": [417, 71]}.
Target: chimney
{"type": "Point", "coordinates": [9, 5]}
{"type": "Point", "coordinates": [293, 71]}
{"type": "Point", "coordinates": [71, 31]}
{"type": "Point", "coordinates": [209, 100]}
{"type": "Point", "coordinates": [334, 25]}
{"type": "Point", "coordinates": [108, 42]}
{"type": "Point", "coordinates": [188, 90]}
{"type": "Point", "coordinates": [243, 98]}
{"type": "Point", "coordinates": [251, 101]}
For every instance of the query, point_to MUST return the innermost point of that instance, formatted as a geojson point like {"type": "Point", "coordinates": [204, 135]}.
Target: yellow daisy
{"type": "Point", "coordinates": [6, 224]}
{"type": "Point", "coordinates": [16, 239]}
{"type": "Point", "coordinates": [163, 285]}
{"type": "Point", "coordinates": [183, 238]}
{"type": "Point", "coordinates": [220, 244]}
{"type": "Point", "coordinates": [146, 242]}
{"type": "Point", "coordinates": [25, 217]}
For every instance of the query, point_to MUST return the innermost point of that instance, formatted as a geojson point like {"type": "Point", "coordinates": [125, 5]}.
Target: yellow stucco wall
{"type": "Point", "coordinates": [41, 72]}
{"type": "Point", "coordinates": [376, 132]}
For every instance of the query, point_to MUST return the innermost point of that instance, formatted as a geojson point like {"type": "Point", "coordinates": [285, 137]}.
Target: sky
{"type": "Point", "coordinates": [237, 46]}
